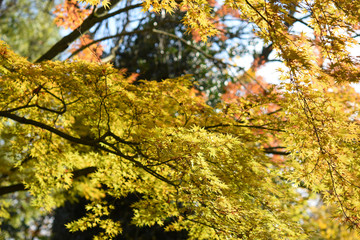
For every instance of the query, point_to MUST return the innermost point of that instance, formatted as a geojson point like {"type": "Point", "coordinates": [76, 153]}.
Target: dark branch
{"type": "Point", "coordinates": [276, 152]}
{"type": "Point", "coordinates": [106, 38]}
{"type": "Point", "coordinates": [83, 172]}
{"type": "Point", "coordinates": [12, 189]}
{"type": "Point", "coordinates": [247, 126]}
{"type": "Point", "coordinates": [97, 16]}
{"type": "Point", "coordinates": [46, 127]}
{"type": "Point", "coordinates": [82, 141]}
{"type": "Point", "coordinates": [21, 187]}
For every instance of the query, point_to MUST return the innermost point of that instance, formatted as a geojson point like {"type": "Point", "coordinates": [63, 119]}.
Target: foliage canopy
{"type": "Point", "coordinates": [78, 128]}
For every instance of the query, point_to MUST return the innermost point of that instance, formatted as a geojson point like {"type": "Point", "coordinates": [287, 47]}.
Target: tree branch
{"type": "Point", "coordinates": [190, 45]}
{"type": "Point", "coordinates": [97, 16]}
{"type": "Point", "coordinates": [276, 152]}
{"type": "Point", "coordinates": [21, 187]}
{"type": "Point", "coordinates": [46, 127]}
{"type": "Point", "coordinates": [246, 126]}
{"type": "Point", "coordinates": [12, 189]}
{"type": "Point", "coordinates": [106, 38]}
{"type": "Point", "coordinates": [94, 143]}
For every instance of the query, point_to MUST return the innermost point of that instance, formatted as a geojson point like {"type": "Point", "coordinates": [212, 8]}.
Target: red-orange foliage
{"type": "Point", "coordinates": [91, 53]}
{"type": "Point", "coordinates": [71, 14]}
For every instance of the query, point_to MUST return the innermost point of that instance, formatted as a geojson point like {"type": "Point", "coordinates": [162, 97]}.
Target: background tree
{"type": "Point", "coordinates": [28, 26]}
